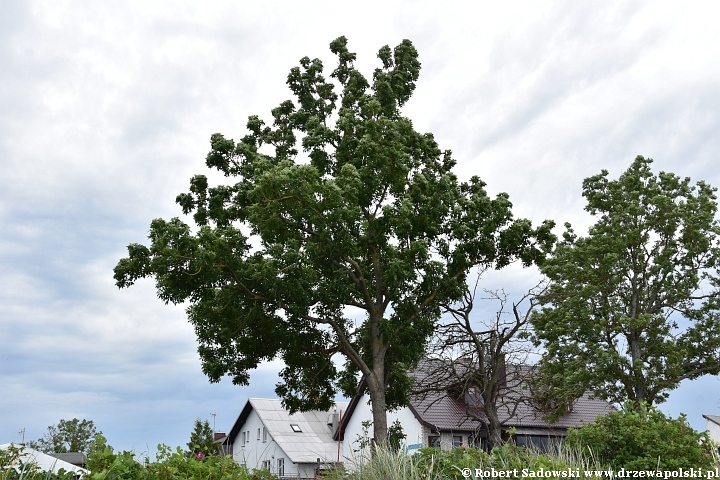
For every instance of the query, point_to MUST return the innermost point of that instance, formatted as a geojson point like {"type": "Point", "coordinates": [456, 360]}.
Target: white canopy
{"type": "Point", "coordinates": [45, 462]}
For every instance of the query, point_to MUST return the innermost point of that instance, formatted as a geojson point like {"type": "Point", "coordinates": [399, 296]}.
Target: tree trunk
{"type": "Point", "coordinates": [494, 428]}
{"type": "Point", "coordinates": [376, 390]}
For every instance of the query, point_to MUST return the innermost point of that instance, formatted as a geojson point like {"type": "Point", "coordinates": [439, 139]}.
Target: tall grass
{"type": "Point", "coordinates": [432, 464]}
{"type": "Point", "coordinates": [461, 463]}
{"type": "Point", "coordinates": [386, 464]}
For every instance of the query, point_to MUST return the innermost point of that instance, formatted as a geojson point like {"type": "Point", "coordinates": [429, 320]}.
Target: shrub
{"type": "Point", "coordinates": [643, 439]}
{"type": "Point", "coordinates": [169, 465]}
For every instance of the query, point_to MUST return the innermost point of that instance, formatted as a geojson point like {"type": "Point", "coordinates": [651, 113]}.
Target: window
{"type": "Point", "coordinates": [266, 465]}
{"type": "Point", "coordinates": [264, 435]}
{"type": "Point", "coordinates": [434, 441]}
{"type": "Point", "coordinates": [258, 434]}
{"type": "Point", "coordinates": [295, 427]}
{"type": "Point", "coordinates": [540, 443]}
{"type": "Point", "coordinates": [473, 397]}
{"type": "Point", "coordinates": [280, 467]}
{"type": "Point", "coordinates": [243, 438]}
{"type": "Point", "coordinates": [457, 441]}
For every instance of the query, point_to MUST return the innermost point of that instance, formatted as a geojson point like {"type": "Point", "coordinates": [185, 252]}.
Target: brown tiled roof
{"type": "Point", "coordinates": [444, 411]}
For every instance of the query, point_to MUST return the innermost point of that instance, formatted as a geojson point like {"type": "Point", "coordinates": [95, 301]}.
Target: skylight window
{"type": "Point", "coordinates": [295, 427]}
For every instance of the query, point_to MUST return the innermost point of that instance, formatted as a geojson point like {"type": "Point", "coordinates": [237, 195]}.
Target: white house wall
{"type": "Point", "coordinates": [354, 430]}
{"type": "Point", "coordinates": [254, 452]}
{"type": "Point", "coordinates": [713, 430]}
{"type": "Point", "coordinates": [412, 429]}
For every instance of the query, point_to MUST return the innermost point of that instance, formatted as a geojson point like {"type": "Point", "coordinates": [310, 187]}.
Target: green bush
{"type": "Point", "coordinates": [643, 440]}
{"type": "Point", "coordinates": [169, 465]}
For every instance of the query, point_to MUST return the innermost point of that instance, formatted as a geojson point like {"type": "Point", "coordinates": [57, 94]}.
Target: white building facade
{"type": "Point", "coordinates": [712, 424]}
{"type": "Point", "coordinates": [266, 436]}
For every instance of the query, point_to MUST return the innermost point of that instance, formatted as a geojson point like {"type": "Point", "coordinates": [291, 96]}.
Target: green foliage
{"type": "Point", "coordinates": [632, 309]}
{"type": "Point", "coordinates": [449, 463]}
{"type": "Point", "coordinates": [338, 203]}
{"type": "Point", "coordinates": [101, 455]}
{"type": "Point", "coordinates": [169, 465]}
{"type": "Point", "coordinates": [637, 440]}
{"type": "Point", "coordinates": [111, 466]}
{"type": "Point", "coordinates": [68, 436]}
{"type": "Point", "coordinates": [363, 439]}
{"type": "Point", "coordinates": [202, 440]}
{"type": "Point", "coordinates": [395, 436]}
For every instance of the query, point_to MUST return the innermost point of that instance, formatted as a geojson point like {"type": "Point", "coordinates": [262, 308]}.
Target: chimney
{"type": "Point", "coordinates": [502, 371]}
{"type": "Point", "coordinates": [333, 421]}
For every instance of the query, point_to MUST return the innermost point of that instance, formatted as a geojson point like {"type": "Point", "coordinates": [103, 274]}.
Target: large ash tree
{"type": "Point", "coordinates": [346, 248]}
{"type": "Point", "coordinates": [632, 309]}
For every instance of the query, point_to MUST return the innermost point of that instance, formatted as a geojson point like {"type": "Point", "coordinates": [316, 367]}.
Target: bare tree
{"type": "Point", "coordinates": [483, 359]}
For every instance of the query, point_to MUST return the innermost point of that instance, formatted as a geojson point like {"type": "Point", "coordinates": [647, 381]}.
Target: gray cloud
{"type": "Point", "coordinates": [107, 110]}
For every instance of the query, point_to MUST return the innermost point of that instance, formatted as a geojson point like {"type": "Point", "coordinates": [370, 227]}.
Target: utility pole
{"type": "Point", "coordinates": [213, 415]}
{"type": "Point", "coordinates": [22, 432]}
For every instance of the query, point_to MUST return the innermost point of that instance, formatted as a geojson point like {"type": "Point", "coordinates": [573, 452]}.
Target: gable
{"type": "Point", "coordinates": [303, 436]}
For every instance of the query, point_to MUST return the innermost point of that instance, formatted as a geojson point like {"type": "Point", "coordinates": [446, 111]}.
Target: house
{"type": "Point", "coordinates": [712, 424]}
{"type": "Point", "coordinates": [266, 436]}
{"type": "Point", "coordinates": [446, 423]}
{"type": "Point", "coordinates": [43, 461]}
{"type": "Point", "coordinates": [225, 446]}
{"type": "Point", "coordinates": [447, 419]}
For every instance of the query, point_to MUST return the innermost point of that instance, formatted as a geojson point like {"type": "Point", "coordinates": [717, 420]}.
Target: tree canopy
{"type": "Point", "coordinates": [202, 440]}
{"type": "Point", "coordinates": [68, 436]}
{"type": "Point", "coordinates": [632, 309]}
{"type": "Point", "coordinates": [342, 230]}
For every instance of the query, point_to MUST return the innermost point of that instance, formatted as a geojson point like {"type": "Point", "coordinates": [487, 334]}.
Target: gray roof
{"type": "Point", "coordinates": [713, 418]}
{"type": "Point", "coordinates": [312, 442]}
{"type": "Point", "coordinates": [76, 458]}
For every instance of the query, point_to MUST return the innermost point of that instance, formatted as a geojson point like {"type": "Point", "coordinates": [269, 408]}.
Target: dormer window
{"type": "Point", "coordinates": [295, 427]}
{"type": "Point", "coordinates": [473, 397]}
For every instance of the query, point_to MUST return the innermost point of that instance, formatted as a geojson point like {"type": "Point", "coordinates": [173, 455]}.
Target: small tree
{"type": "Point", "coordinates": [68, 436]}
{"type": "Point", "coordinates": [633, 308]}
{"type": "Point", "coordinates": [202, 440]}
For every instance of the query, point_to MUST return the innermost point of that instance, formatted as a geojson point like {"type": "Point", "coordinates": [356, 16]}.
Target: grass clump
{"type": "Point", "coordinates": [462, 463]}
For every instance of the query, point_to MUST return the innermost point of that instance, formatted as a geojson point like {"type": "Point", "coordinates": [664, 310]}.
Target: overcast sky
{"type": "Point", "coordinates": [106, 111]}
